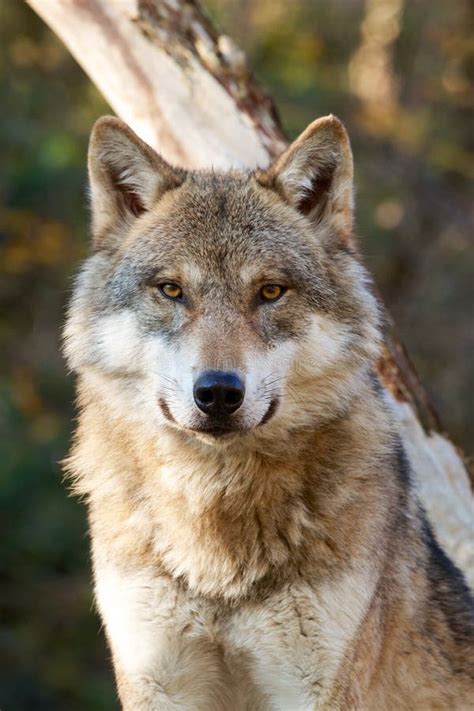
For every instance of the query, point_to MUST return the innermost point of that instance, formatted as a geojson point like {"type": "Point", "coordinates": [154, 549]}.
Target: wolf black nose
{"type": "Point", "coordinates": [218, 393]}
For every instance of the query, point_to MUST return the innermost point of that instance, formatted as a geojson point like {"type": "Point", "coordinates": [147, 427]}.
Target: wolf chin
{"type": "Point", "coordinates": [256, 541]}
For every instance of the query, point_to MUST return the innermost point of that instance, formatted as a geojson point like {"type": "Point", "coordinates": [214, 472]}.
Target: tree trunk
{"type": "Point", "coordinates": [186, 90]}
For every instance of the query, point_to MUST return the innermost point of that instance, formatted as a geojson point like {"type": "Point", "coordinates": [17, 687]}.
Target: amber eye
{"type": "Point", "coordinates": [171, 291]}
{"type": "Point", "coordinates": [271, 292]}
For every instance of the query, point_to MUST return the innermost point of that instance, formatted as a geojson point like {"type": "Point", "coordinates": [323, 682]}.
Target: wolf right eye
{"type": "Point", "coordinates": [171, 291]}
{"type": "Point", "coordinates": [271, 292]}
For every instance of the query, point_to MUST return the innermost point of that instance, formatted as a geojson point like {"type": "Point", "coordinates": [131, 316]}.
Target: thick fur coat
{"type": "Point", "coordinates": [274, 558]}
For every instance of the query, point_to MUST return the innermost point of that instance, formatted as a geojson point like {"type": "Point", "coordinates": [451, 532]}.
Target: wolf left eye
{"type": "Point", "coordinates": [271, 292]}
{"type": "Point", "coordinates": [171, 291]}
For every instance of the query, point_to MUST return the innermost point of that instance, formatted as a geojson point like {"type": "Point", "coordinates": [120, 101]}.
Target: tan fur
{"type": "Point", "coordinates": [286, 564]}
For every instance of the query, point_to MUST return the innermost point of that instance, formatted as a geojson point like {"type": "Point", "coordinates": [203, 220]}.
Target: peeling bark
{"type": "Point", "coordinates": [183, 29]}
{"type": "Point", "coordinates": [187, 91]}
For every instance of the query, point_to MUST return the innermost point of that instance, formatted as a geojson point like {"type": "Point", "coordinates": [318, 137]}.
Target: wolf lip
{"type": "Point", "coordinates": [216, 429]}
{"type": "Point", "coordinates": [165, 410]}
{"type": "Point", "coordinates": [225, 427]}
{"type": "Point", "coordinates": [272, 408]}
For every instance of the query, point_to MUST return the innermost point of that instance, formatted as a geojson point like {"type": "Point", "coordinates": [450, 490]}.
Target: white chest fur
{"type": "Point", "coordinates": [176, 651]}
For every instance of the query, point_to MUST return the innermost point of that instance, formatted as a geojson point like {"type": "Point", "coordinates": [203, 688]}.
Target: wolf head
{"type": "Point", "coordinates": [222, 304]}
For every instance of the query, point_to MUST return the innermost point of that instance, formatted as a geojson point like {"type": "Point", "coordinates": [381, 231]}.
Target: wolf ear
{"type": "Point", "coordinates": [126, 178]}
{"type": "Point", "coordinates": [315, 174]}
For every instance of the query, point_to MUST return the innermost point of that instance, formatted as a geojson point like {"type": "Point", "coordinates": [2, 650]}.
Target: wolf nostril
{"type": "Point", "coordinates": [218, 393]}
{"type": "Point", "coordinates": [232, 397]}
{"type": "Point", "coordinates": [205, 395]}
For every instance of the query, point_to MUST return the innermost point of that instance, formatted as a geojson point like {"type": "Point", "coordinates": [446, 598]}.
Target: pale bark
{"type": "Point", "coordinates": [186, 90]}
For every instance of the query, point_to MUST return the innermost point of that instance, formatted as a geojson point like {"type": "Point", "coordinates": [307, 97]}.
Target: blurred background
{"type": "Point", "coordinates": [397, 73]}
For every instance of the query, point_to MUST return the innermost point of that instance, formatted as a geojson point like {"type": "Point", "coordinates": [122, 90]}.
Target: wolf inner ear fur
{"type": "Point", "coordinates": [315, 174]}
{"type": "Point", "coordinates": [126, 178]}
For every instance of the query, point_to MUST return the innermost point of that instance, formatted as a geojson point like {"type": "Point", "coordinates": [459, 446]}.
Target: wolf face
{"type": "Point", "coordinates": [223, 305]}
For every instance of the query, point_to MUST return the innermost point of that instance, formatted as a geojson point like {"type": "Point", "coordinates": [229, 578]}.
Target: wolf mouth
{"type": "Point", "coordinates": [270, 412]}
{"type": "Point", "coordinates": [217, 430]}
{"type": "Point", "coordinates": [220, 428]}
{"type": "Point", "coordinates": [165, 410]}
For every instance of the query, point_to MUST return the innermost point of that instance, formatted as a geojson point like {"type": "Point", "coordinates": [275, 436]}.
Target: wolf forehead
{"type": "Point", "coordinates": [222, 236]}
{"type": "Point", "coordinates": [224, 222]}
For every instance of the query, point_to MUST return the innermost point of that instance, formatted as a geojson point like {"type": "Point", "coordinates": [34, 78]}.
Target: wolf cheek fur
{"type": "Point", "coordinates": [275, 557]}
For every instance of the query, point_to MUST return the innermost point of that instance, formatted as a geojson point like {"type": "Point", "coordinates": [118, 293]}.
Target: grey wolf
{"type": "Point", "coordinates": [256, 538]}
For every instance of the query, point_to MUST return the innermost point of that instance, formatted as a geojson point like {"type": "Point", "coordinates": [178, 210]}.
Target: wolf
{"type": "Point", "coordinates": [257, 542]}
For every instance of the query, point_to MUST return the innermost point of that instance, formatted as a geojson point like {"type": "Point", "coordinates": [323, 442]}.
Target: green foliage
{"type": "Point", "coordinates": [410, 131]}
{"type": "Point", "coordinates": [53, 656]}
